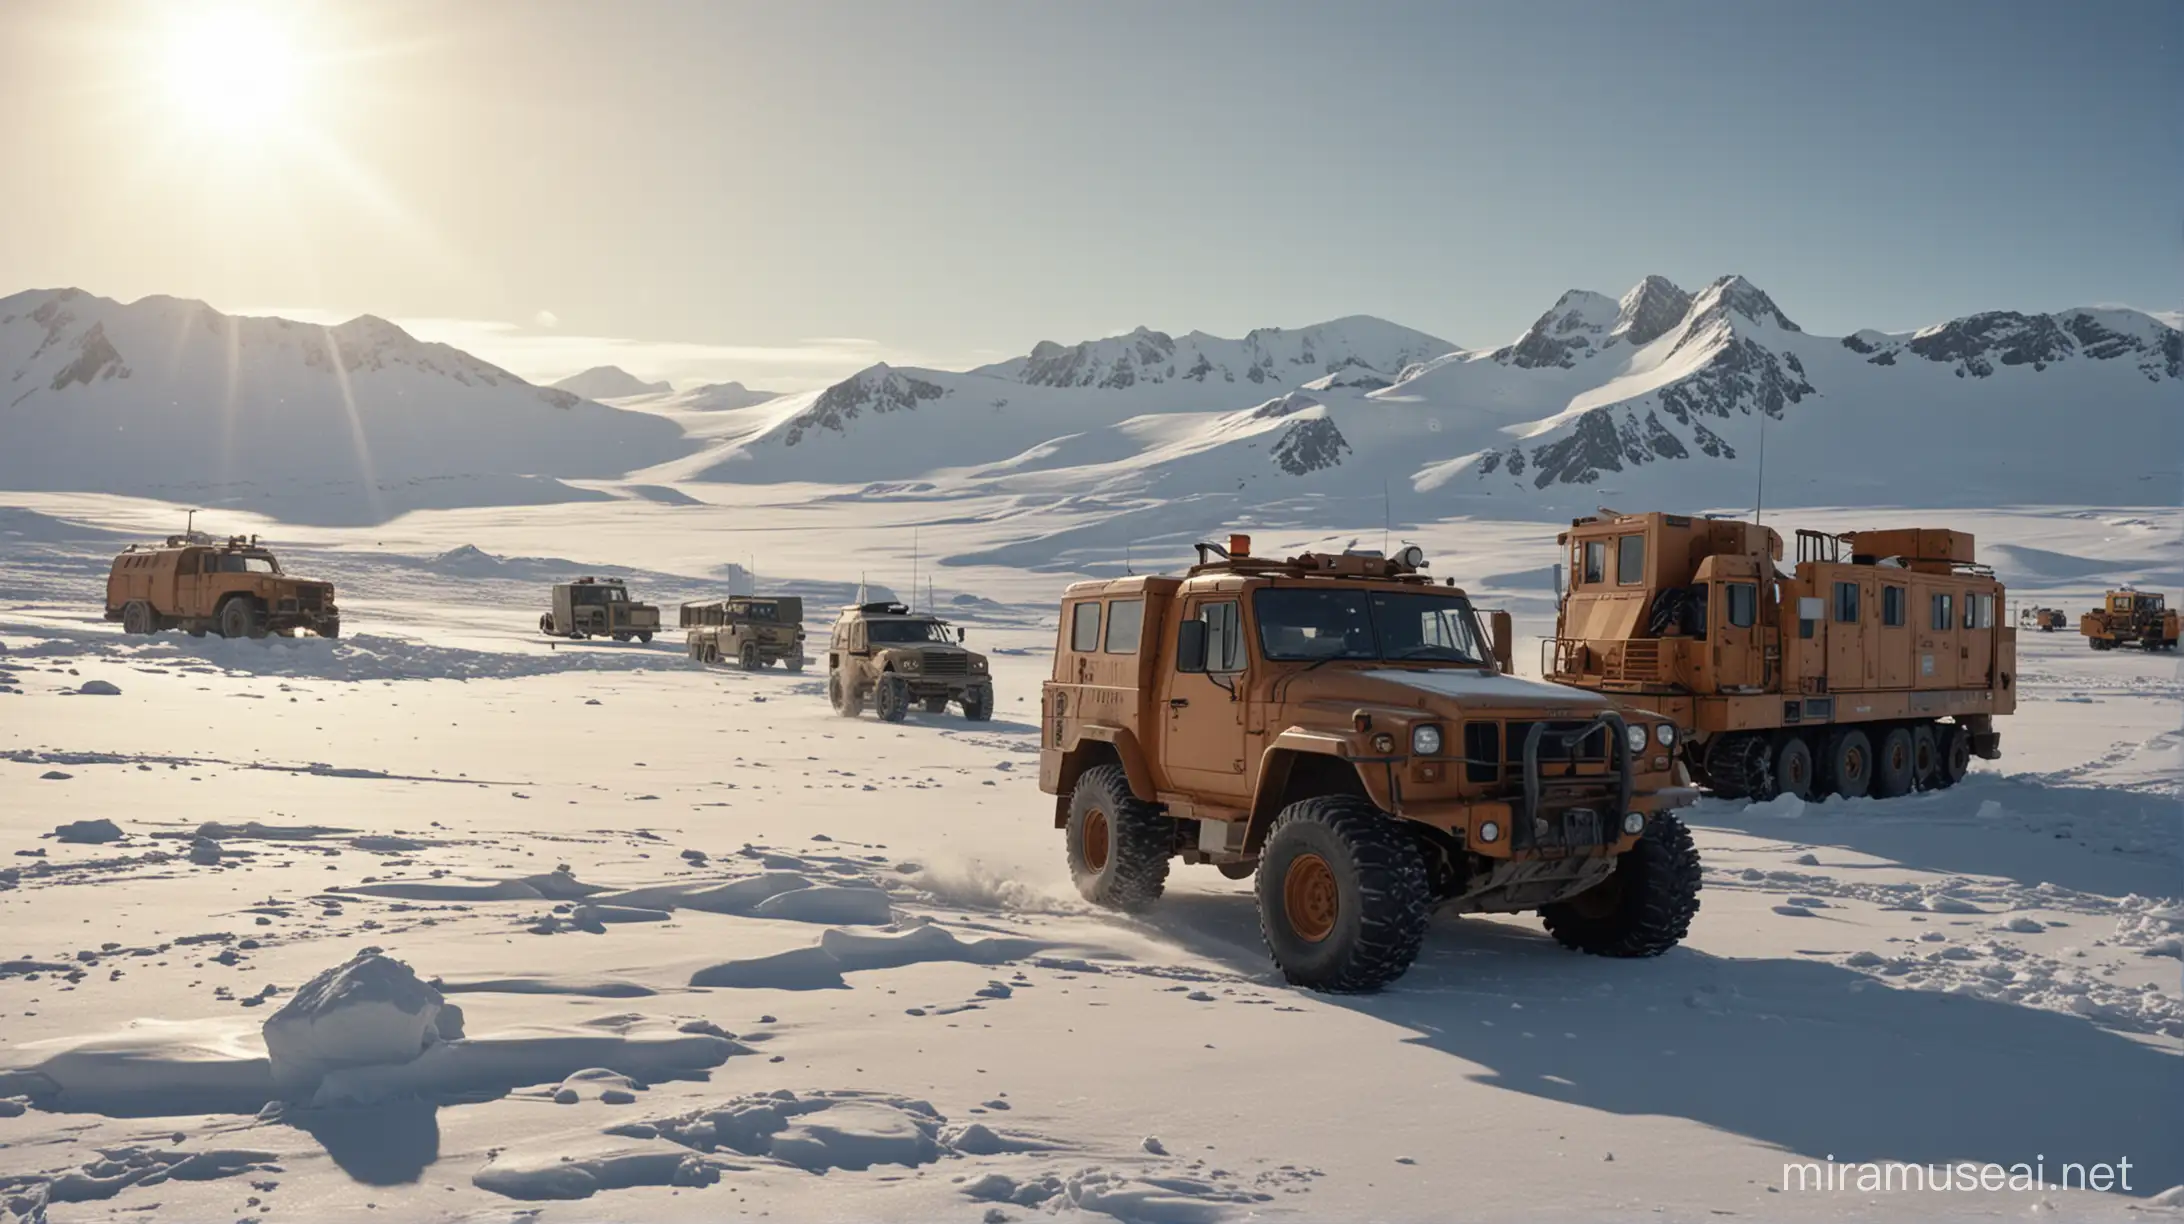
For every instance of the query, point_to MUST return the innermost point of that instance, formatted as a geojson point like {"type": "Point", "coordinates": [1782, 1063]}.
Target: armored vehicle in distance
{"type": "Point", "coordinates": [236, 589]}
{"type": "Point", "coordinates": [752, 631]}
{"type": "Point", "coordinates": [892, 657]}
{"type": "Point", "coordinates": [598, 607]}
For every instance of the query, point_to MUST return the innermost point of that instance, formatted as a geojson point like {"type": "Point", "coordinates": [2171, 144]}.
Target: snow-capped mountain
{"type": "Point", "coordinates": [1661, 393]}
{"type": "Point", "coordinates": [171, 398]}
{"type": "Point", "coordinates": [609, 382]}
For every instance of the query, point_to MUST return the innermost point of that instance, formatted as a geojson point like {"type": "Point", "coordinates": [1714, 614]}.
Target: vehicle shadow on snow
{"type": "Point", "coordinates": [1800, 1054]}
{"type": "Point", "coordinates": [2086, 838]}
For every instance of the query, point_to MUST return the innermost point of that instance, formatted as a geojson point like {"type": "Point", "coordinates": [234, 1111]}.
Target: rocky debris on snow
{"type": "Point", "coordinates": [88, 832]}
{"type": "Point", "coordinates": [205, 852]}
{"type": "Point", "coordinates": [99, 688]}
{"type": "Point", "coordinates": [371, 1010]}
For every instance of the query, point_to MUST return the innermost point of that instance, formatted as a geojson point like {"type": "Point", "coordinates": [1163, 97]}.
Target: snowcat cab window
{"type": "Point", "coordinates": [1298, 624]}
{"type": "Point", "coordinates": [237, 563]}
{"type": "Point", "coordinates": [1979, 611]}
{"type": "Point", "coordinates": [1084, 627]}
{"type": "Point", "coordinates": [1125, 624]}
{"type": "Point", "coordinates": [1944, 613]}
{"type": "Point", "coordinates": [1743, 604]}
{"type": "Point", "coordinates": [1219, 640]}
{"type": "Point", "coordinates": [1630, 560]}
{"type": "Point", "coordinates": [1892, 606]}
{"type": "Point", "coordinates": [1596, 561]}
{"type": "Point", "coordinates": [615, 594]}
{"type": "Point", "coordinates": [1846, 603]}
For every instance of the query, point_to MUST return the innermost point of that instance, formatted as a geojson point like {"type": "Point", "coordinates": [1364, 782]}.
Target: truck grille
{"type": "Point", "coordinates": [947, 665]}
{"type": "Point", "coordinates": [1493, 751]}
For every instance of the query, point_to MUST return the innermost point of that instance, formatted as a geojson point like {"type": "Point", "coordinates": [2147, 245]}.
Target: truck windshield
{"type": "Point", "coordinates": [235, 563]}
{"type": "Point", "coordinates": [1351, 623]}
{"type": "Point", "coordinates": [907, 631]}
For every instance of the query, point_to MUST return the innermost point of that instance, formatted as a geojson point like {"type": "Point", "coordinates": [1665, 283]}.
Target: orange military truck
{"type": "Point", "coordinates": [1876, 667]}
{"type": "Point", "coordinates": [2130, 617]}
{"type": "Point", "coordinates": [236, 589]}
{"type": "Point", "coordinates": [1347, 730]}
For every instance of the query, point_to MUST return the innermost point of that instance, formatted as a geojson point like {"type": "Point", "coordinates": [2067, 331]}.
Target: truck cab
{"type": "Point", "coordinates": [1196, 717]}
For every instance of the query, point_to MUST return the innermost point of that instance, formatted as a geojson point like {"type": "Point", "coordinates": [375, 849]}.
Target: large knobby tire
{"type": "Point", "coordinates": [978, 703]}
{"type": "Point", "coordinates": [843, 696]}
{"type": "Point", "coordinates": [1793, 767]}
{"type": "Point", "coordinates": [1956, 756]}
{"type": "Point", "coordinates": [1343, 895]}
{"type": "Point", "coordinates": [1895, 764]}
{"type": "Point", "coordinates": [891, 699]}
{"type": "Point", "coordinates": [136, 617]}
{"type": "Point", "coordinates": [1645, 908]}
{"type": "Point", "coordinates": [645, 636]}
{"type": "Point", "coordinates": [1847, 763]}
{"type": "Point", "coordinates": [331, 629]}
{"type": "Point", "coordinates": [748, 657]}
{"type": "Point", "coordinates": [237, 619]}
{"type": "Point", "coordinates": [1118, 843]}
{"type": "Point", "coordinates": [795, 663]}
{"type": "Point", "coordinates": [1926, 756]}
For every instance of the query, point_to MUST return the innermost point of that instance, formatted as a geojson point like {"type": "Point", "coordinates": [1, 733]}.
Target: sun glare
{"type": "Point", "coordinates": [231, 68]}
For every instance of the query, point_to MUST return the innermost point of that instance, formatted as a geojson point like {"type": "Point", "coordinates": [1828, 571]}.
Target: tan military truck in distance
{"type": "Point", "coordinates": [892, 657]}
{"type": "Point", "coordinates": [598, 607]}
{"type": "Point", "coordinates": [1876, 667]}
{"type": "Point", "coordinates": [1350, 732]}
{"type": "Point", "coordinates": [752, 630]}
{"type": "Point", "coordinates": [2044, 620]}
{"type": "Point", "coordinates": [2130, 617]}
{"type": "Point", "coordinates": [235, 589]}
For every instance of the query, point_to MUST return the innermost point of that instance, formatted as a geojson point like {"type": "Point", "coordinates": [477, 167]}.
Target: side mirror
{"type": "Point", "coordinates": [1498, 625]}
{"type": "Point", "coordinates": [961, 633]}
{"type": "Point", "coordinates": [1190, 646]}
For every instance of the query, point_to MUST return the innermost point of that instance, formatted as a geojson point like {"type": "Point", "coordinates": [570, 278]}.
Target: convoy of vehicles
{"type": "Point", "coordinates": [598, 607]}
{"type": "Point", "coordinates": [752, 631]}
{"type": "Point", "coordinates": [2130, 617]}
{"type": "Point", "coordinates": [1353, 736]}
{"type": "Point", "coordinates": [1349, 731]}
{"type": "Point", "coordinates": [234, 588]}
{"type": "Point", "coordinates": [885, 654]}
{"type": "Point", "coordinates": [1875, 667]}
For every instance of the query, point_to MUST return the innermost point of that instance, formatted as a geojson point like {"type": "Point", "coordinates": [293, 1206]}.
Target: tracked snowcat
{"type": "Point", "coordinates": [1876, 666]}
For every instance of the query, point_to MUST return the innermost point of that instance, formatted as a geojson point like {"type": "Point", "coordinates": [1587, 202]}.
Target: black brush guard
{"type": "Point", "coordinates": [1575, 827]}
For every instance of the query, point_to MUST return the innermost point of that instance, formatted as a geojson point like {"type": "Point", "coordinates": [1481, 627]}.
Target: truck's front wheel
{"type": "Point", "coordinates": [891, 698]}
{"type": "Point", "coordinates": [1644, 908]}
{"type": "Point", "coordinates": [978, 703]}
{"type": "Point", "coordinates": [239, 619]}
{"type": "Point", "coordinates": [843, 696]}
{"type": "Point", "coordinates": [1343, 895]}
{"type": "Point", "coordinates": [1118, 843]}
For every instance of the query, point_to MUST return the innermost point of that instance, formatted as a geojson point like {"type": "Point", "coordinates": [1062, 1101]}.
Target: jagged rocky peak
{"type": "Point", "coordinates": [1284, 405]}
{"type": "Point", "coordinates": [1652, 309]}
{"type": "Point", "coordinates": [1310, 445]}
{"type": "Point", "coordinates": [878, 389]}
{"type": "Point", "coordinates": [1735, 294]}
{"type": "Point", "coordinates": [1574, 329]}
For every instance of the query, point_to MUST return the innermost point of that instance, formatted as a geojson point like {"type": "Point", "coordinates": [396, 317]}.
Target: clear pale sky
{"type": "Point", "coordinates": [784, 191]}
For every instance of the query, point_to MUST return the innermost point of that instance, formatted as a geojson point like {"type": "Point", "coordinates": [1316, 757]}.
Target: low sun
{"type": "Point", "coordinates": [232, 68]}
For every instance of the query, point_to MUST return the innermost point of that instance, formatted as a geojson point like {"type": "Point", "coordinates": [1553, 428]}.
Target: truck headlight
{"type": "Point", "coordinates": [978, 665]}
{"type": "Point", "coordinates": [1425, 741]}
{"type": "Point", "coordinates": [1634, 822]}
{"type": "Point", "coordinates": [1489, 831]}
{"type": "Point", "coordinates": [1635, 736]}
{"type": "Point", "coordinates": [1665, 735]}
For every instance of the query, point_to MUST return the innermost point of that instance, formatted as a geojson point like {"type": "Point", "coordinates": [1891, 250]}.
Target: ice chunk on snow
{"type": "Point", "coordinates": [855, 905]}
{"type": "Point", "coordinates": [368, 1011]}
{"type": "Point", "coordinates": [89, 832]}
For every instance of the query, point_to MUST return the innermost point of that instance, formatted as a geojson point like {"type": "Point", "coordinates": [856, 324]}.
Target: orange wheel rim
{"type": "Point", "coordinates": [1095, 840]}
{"type": "Point", "coordinates": [1310, 897]}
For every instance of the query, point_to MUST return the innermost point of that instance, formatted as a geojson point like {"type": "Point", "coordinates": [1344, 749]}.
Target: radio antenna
{"type": "Point", "coordinates": [1759, 491]}
{"type": "Point", "coordinates": [1387, 515]}
{"type": "Point", "coordinates": [914, 569]}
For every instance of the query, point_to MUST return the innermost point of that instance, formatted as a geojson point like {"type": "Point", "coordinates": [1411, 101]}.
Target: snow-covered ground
{"type": "Point", "coordinates": [714, 952]}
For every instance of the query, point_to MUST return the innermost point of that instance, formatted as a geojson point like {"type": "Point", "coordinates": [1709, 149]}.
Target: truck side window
{"type": "Point", "coordinates": [1979, 611]}
{"type": "Point", "coordinates": [1630, 560]}
{"type": "Point", "coordinates": [1944, 613]}
{"type": "Point", "coordinates": [1743, 604]}
{"type": "Point", "coordinates": [1224, 637]}
{"type": "Point", "coordinates": [1084, 627]}
{"type": "Point", "coordinates": [1125, 621]}
{"type": "Point", "coordinates": [1846, 603]}
{"type": "Point", "coordinates": [1596, 561]}
{"type": "Point", "coordinates": [1892, 605]}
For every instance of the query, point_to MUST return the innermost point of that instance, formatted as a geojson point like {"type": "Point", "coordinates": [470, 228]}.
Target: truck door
{"type": "Point", "coordinates": [1936, 650]}
{"type": "Point", "coordinates": [1733, 632]}
{"type": "Point", "coordinates": [1892, 637]}
{"type": "Point", "coordinates": [1975, 647]}
{"type": "Point", "coordinates": [1202, 738]}
{"type": "Point", "coordinates": [1846, 635]}
{"type": "Point", "coordinates": [187, 597]}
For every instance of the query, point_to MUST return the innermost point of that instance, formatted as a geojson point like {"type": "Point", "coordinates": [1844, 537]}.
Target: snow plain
{"type": "Point", "coordinates": [715, 952]}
